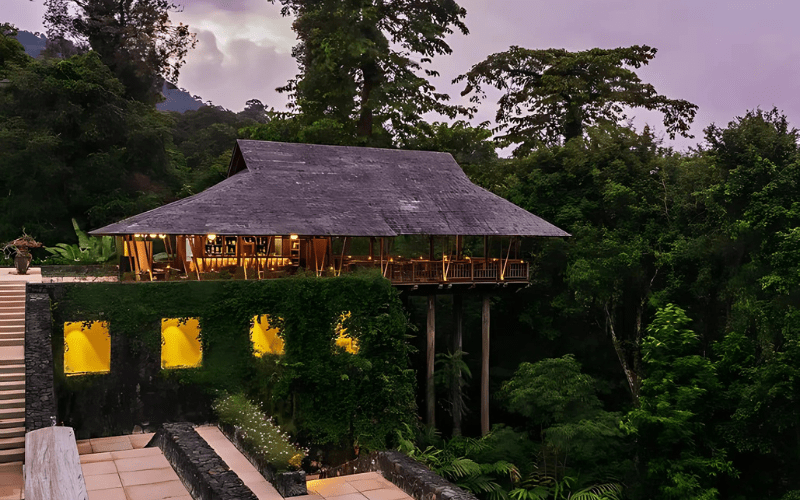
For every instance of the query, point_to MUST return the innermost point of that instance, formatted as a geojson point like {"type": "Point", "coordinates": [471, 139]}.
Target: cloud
{"type": "Point", "coordinates": [230, 73]}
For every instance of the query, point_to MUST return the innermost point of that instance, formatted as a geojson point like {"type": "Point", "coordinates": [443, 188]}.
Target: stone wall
{"type": "Point", "coordinates": [201, 470]}
{"type": "Point", "coordinates": [404, 472]}
{"type": "Point", "coordinates": [40, 398]}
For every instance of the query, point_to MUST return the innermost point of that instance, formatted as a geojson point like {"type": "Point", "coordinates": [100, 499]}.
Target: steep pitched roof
{"type": "Point", "coordinates": [278, 188]}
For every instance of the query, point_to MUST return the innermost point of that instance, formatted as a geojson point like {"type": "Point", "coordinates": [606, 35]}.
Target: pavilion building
{"type": "Point", "coordinates": [413, 215]}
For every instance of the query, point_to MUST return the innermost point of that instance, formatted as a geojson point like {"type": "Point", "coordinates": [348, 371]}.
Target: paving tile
{"type": "Point", "coordinates": [134, 478]}
{"type": "Point", "coordinates": [331, 480]}
{"type": "Point", "coordinates": [96, 468]}
{"type": "Point", "coordinates": [327, 490]}
{"type": "Point", "coordinates": [112, 494]}
{"type": "Point", "coordinates": [349, 496]}
{"type": "Point", "coordinates": [265, 491]}
{"type": "Point", "coordinates": [368, 484]}
{"type": "Point", "coordinates": [157, 491]}
{"type": "Point", "coordinates": [310, 496]}
{"type": "Point", "coordinates": [84, 447]}
{"type": "Point", "coordinates": [182, 497]}
{"type": "Point", "coordinates": [10, 491]}
{"type": "Point", "coordinates": [102, 481]}
{"type": "Point", "coordinates": [251, 477]}
{"type": "Point", "coordinates": [141, 440]}
{"type": "Point", "coordinates": [141, 463]}
{"type": "Point", "coordinates": [136, 453]}
{"type": "Point", "coordinates": [111, 444]}
{"type": "Point", "coordinates": [95, 457]}
{"type": "Point", "coordinates": [386, 494]}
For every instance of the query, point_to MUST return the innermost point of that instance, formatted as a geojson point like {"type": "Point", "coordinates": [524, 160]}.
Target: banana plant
{"type": "Point", "coordinates": [89, 250]}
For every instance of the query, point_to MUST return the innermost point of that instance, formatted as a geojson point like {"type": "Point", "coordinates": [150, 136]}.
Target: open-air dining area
{"type": "Point", "coordinates": [264, 257]}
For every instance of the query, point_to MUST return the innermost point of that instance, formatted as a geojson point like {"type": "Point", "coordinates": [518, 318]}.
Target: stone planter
{"type": "Point", "coordinates": [22, 261]}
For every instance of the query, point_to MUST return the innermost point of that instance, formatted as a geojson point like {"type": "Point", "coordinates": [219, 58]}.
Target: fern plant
{"type": "Point", "coordinates": [451, 461]}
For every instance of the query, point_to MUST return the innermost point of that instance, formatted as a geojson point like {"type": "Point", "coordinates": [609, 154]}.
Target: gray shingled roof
{"type": "Point", "coordinates": [278, 188]}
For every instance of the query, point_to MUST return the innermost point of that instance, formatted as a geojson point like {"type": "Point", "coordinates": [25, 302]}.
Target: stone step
{"type": "Point", "coordinates": [12, 341]}
{"type": "Point", "coordinates": [15, 300]}
{"type": "Point", "coordinates": [12, 394]}
{"type": "Point", "coordinates": [13, 412]}
{"type": "Point", "coordinates": [15, 321]}
{"type": "Point", "coordinates": [11, 432]}
{"type": "Point", "coordinates": [12, 360]}
{"type": "Point", "coordinates": [17, 309]}
{"type": "Point", "coordinates": [13, 376]}
{"type": "Point", "coordinates": [18, 368]}
{"type": "Point", "coordinates": [12, 404]}
{"type": "Point", "coordinates": [4, 330]}
{"type": "Point", "coordinates": [11, 385]}
{"type": "Point", "coordinates": [15, 455]}
{"type": "Point", "coordinates": [12, 442]}
{"type": "Point", "coordinates": [12, 422]}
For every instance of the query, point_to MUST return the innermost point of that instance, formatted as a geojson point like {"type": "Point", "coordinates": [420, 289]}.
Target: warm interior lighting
{"type": "Point", "coordinates": [180, 343]}
{"type": "Point", "coordinates": [87, 347]}
{"type": "Point", "coordinates": [264, 337]}
{"type": "Point", "coordinates": [293, 236]}
{"type": "Point", "coordinates": [162, 236]}
{"type": "Point", "coordinates": [137, 235]}
{"type": "Point", "coordinates": [153, 235]}
{"type": "Point", "coordinates": [211, 237]}
{"type": "Point", "coordinates": [343, 340]}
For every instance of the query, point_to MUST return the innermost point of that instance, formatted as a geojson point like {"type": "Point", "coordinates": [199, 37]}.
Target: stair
{"type": "Point", "coordinates": [12, 372]}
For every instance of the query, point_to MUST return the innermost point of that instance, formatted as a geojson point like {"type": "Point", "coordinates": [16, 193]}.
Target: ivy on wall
{"type": "Point", "coordinates": [324, 393]}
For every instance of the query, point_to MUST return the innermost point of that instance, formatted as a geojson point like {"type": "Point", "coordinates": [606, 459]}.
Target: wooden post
{"type": "Point", "coordinates": [485, 367]}
{"type": "Point", "coordinates": [430, 398]}
{"type": "Point", "coordinates": [455, 392]}
{"type": "Point", "coordinates": [431, 252]}
{"type": "Point", "coordinates": [485, 252]}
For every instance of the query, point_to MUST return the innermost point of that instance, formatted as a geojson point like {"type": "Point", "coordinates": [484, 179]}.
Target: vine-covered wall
{"type": "Point", "coordinates": [324, 393]}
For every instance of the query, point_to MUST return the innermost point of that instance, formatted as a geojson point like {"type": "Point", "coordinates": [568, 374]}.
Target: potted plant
{"type": "Point", "coordinates": [21, 248]}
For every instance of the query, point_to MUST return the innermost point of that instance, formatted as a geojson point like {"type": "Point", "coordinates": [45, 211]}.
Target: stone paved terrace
{"type": "Point", "coordinates": [365, 486]}
{"type": "Point", "coordinates": [120, 468]}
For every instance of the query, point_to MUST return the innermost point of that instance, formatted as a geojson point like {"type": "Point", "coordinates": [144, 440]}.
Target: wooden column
{"type": "Point", "coordinates": [455, 390]}
{"type": "Point", "coordinates": [485, 367]}
{"type": "Point", "coordinates": [430, 396]}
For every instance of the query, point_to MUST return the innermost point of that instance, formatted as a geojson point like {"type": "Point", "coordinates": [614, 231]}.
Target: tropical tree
{"type": "Point", "coordinates": [360, 62]}
{"type": "Point", "coordinates": [551, 95]}
{"type": "Point", "coordinates": [135, 38]}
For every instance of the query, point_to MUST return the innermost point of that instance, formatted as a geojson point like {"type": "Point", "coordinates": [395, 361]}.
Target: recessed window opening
{"type": "Point", "coordinates": [87, 347]}
{"type": "Point", "coordinates": [264, 336]}
{"type": "Point", "coordinates": [180, 343]}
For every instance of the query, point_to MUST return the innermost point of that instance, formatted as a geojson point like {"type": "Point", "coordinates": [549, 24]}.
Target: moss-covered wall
{"type": "Point", "coordinates": [316, 388]}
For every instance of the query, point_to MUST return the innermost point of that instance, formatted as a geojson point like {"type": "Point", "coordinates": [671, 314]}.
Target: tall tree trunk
{"type": "Point", "coordinates": [630, 374]}
{"type": "Point", "coordinates": [371, 75]}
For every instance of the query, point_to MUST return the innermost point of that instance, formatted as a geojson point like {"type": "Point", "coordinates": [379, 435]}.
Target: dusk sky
{"type": "Point", "coordinates": [725, 56]}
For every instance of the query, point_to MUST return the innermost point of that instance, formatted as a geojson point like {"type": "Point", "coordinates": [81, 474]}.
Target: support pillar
{"type": "Point", "coordinates": [485, 367]}
{"type": "Point", "coordinates": [430, 395]}
{"type": "Point", "coordinates": [455, 393]}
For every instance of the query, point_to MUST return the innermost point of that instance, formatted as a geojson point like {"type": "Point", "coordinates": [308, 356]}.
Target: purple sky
{"type": "Point", "coordinates": [727, 56]}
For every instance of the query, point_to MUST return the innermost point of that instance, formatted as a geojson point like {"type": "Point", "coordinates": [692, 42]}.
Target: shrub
{"type": "Point", "coordinates": [260, 434]}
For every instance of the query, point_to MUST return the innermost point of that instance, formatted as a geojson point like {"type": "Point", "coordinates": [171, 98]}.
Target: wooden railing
{"type": "Point", "coordinates": [464, 271]}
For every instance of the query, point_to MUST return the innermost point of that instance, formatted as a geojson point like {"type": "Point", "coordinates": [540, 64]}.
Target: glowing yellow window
{"type": "Point", "coordinates": [180, 343]}
{"type": "Point", "coordinates": [264, 337]}
{"type": "Point", "coordinates": [87, 347]}
{"type": "Point", "coordinates": [344, 340]}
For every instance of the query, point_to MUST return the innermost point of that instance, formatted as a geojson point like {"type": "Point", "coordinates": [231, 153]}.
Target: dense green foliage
{"type": "Point", "coordinates": [323, 394]}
